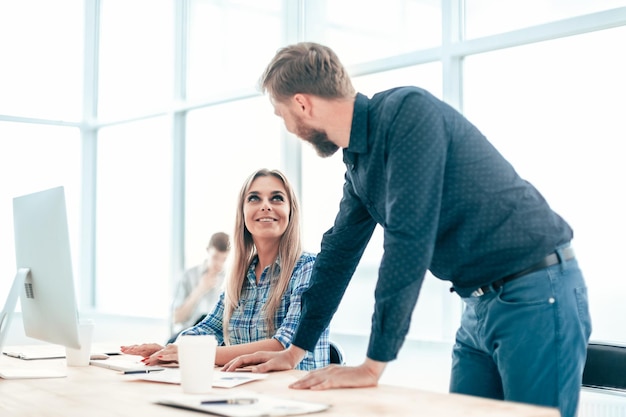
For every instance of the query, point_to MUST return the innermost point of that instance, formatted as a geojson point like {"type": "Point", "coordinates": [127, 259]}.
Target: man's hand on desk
{"type": "Point", "coordinates": [332, 376]}
{"type": "Point", "coordinates": [338, 376]}
{"type": "Point", "coordinates": [267, 361]}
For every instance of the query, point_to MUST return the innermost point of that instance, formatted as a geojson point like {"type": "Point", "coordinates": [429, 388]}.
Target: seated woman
{"type": "Point", "coordinates": [260, 307]}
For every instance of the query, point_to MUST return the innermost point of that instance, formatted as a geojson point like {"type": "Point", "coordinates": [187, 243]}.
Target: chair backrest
{"type": "Point", "coordinates": [605, 366]}
{"type": "Point", "coordinates": [336, 353]}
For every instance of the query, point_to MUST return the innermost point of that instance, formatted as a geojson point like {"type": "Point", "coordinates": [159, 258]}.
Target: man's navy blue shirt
{"type": "Point", "coordinates": [447, 202]}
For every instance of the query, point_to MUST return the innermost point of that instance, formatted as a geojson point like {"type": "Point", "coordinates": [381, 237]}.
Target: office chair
{"type": "Point", "coordinates": [336, 353]}
{"type": "Point", "coordinates": [605, 367]}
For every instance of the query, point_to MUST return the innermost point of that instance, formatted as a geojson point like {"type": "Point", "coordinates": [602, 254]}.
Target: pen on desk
{"type": "Point", "coordinates": [239, 401]}
{"type": "Point", "coordinates": [141, 371]}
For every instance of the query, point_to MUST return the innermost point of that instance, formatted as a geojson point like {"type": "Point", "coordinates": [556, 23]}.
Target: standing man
{"type": "Point", "coordinates": [447, 202]}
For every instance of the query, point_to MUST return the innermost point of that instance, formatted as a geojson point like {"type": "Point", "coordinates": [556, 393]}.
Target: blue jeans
{"type": "Point", "coordinates": [526, 341]}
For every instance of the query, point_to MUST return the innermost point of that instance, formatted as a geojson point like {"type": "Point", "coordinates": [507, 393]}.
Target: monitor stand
{"type": "Point", "coordinates": [11, 372]}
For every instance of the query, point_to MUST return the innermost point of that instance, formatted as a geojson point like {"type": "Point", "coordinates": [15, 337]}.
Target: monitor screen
{"type": "Point", "coordinates": [42, 252]}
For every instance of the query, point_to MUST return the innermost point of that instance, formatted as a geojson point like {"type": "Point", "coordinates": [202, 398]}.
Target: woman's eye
{"type": "Point", "coordinates": [252, 198]}
{"type": "Point", "coordinates": [278, 198]}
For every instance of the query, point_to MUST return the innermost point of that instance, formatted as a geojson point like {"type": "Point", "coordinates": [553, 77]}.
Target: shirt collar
{"type": "Point", "coordinates": [254, 263]}
{"type": "Point", "coordinates": [358, 131]}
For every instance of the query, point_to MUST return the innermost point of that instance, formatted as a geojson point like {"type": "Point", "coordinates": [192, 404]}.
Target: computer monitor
{"type": "Point", "coordinates": [44, 279]}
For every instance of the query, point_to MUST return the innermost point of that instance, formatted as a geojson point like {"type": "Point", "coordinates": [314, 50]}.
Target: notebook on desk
{"type": "Point", "coordinates": [253, 405]}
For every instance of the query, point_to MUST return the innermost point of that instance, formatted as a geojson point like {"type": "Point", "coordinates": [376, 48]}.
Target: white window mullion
{"type": "Point", "coordinates": [89, 134]}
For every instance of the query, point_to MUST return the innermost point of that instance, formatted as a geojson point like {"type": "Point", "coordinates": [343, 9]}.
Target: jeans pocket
{"type": "Point", "coordinates": [528, 290]}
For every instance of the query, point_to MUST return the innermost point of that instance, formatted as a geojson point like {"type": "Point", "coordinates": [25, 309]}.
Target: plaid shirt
{"type": "Point", "coordinates": [248, 323]}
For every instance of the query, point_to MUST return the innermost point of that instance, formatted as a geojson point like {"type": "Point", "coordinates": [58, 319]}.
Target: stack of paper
{"type": "Point", "coordinates": [220, 379]}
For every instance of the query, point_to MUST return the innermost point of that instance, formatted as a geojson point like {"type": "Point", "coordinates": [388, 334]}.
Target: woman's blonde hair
{"type": "Point", "coordinates": [289, 251]}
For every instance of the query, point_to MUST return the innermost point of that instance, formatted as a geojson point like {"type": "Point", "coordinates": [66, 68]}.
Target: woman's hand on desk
{"type": "Point", "coordinates": [267, 361]}
{"type": "Point", "coordinates": [153, 353]}
{"type": "Point", "coordinates": [144, 350]}
{"type": "Point", "coordinates": [338, 376]}
{"type": "Point", "coordinates": [168, 354]}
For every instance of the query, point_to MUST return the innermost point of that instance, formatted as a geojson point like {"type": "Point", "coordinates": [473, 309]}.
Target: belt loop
{"type": "Point", "coordinates": [561, 257]}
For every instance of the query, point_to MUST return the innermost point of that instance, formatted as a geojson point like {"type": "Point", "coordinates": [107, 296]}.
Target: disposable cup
{"type": "Point", "coordinates": [196, 359]}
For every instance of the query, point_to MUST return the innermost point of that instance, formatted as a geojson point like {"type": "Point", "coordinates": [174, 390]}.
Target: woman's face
{"type": "Point", "coordinates": [266, 208]}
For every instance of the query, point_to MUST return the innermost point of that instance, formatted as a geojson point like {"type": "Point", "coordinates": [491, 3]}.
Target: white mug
{"type": "Point", "coordinates": [196, 358]}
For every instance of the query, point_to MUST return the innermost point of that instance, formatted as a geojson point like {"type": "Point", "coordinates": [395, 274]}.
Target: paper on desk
{"type": "Point", "coordinates": [33, 352]}
{"type": "Point", "coordinates": [264, 406]}
{"type": "Point", "coordinates": [124, 363]}
{"type": "Point", "coordinates": [220, 379]}
{"type": "Point", "coordinates": [50, 351]}
{"type": "Point", "coordinates": [18, 373]}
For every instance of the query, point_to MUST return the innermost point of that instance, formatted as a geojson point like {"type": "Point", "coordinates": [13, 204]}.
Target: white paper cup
{"type": "Point", "coordinates": [196, 358]}
{"type": "Point", "coordinates": [80, 357]}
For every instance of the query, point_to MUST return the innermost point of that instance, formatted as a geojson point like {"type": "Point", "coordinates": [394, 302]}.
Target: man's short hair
{"type": "Point", "coordinates": [220, 241]}
{"type": "Point", "coordinates": [306, 68]}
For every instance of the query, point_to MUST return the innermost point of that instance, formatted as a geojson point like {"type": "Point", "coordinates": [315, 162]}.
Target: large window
{"type": "Point", "coordinates": [225, 144]}
{"type": "Point", "coordinates": [41, 45]}
{"type": "Point", "coordinates": [133, 213]}
{"type": "Point", "coordinates": [229, 44]}
{"type": "Point", "coordinates": [366, 30]}
{"type": "Point", "coordinates": [33, 158]}
{"type": "Point", "coordinates": [146, 112]}
{"type": "Point", "coordinates": [135, 57]}
{"type": "Point", "coordinates": [554, 110]}
{"type": "Point", "coordinates": [488, 17]}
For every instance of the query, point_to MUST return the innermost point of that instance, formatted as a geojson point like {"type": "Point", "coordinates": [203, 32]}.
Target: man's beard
{"type": "Point", "coordinates": [318, 139]}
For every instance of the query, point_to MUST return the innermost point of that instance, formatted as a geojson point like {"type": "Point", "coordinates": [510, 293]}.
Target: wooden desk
{"type": "Point", "coordinates": [97, 392]}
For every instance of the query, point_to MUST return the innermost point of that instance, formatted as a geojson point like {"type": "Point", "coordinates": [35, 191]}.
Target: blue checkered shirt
{"type": "Point", "coordinates": [248, 324]}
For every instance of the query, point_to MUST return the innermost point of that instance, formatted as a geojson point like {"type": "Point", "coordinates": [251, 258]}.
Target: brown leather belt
{"type": "Point", "coordinates": [550, 260]}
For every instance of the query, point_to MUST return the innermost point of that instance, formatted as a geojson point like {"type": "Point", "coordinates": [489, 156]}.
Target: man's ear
{"type": "Point", "coordinates": [303, 103]}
